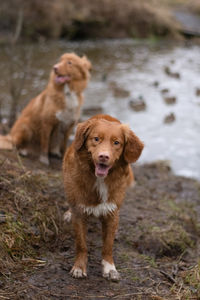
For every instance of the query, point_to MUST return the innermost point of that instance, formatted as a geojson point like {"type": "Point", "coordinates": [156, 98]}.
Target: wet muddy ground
{"type": "Point", "coordinates": [156, 249]}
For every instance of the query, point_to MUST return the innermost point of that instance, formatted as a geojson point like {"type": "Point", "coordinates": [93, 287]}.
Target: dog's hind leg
{"type": "Point", "coordinates": [20, 138]}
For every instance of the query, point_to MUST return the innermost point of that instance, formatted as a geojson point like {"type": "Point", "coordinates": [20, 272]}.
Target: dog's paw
{"type": "Point", "coordinates": [56, 153]}
{"type": "Point", "coordinates": [23, 152]}
{"type": "Point", "coordinates": [77, 272]}
{"type": "Point", "coordinates": [44, 159]}
{"type": "Point", "coordinates": [109, 271]}
{"type": "Point", "coordinates": [67, 216]}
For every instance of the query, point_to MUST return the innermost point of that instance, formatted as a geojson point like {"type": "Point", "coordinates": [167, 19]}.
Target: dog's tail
{"type": "Point", "coordinates": [6, 142]}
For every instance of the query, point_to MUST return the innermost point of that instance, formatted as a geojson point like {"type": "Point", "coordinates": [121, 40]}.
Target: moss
{"type": "Point", "coordinates": [15, 239]}
{"type": "Point", "coordinates": [151, 261]}
{"type": "Point", "coordinates": [189, 287]}
{"type": "Point", "coordinates": [170, 240]}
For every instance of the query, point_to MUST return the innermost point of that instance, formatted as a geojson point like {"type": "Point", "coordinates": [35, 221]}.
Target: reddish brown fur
{"type": "Point", "coordinates": [39, 122]}
{"type": "Point", "coordinates": [79, 178]}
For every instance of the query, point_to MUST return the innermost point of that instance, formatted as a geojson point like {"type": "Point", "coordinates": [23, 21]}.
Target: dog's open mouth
{"type": "Point", "coordinates": [101, 170]}
{"type": "Point", "coordinates": [62, 79]}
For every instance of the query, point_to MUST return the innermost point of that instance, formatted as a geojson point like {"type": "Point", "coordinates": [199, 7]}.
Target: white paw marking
{"type": "Point", "coordinates": [67, 216]}
{"type": "Point", "coordinates": [56, 152]}
{"type": "Point", "coordinates": [44, 159]}
{"type": "Point", "coordinates": [77, 272]}
{"type": "Point", "coordinates": [23, 152]}
{"type": "Point", "coordinates": [109, 271]}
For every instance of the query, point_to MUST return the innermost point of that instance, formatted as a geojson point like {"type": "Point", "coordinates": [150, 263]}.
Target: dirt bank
{"type": "Point", "coordinates": [79, 19]}
{"type": "Point", "coordinates": [156, 249]}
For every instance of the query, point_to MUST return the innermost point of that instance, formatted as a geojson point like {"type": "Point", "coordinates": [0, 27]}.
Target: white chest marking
{"type": "Point", "coordinates": [101, 189]}
{"type": "Point", "coordinates": [103, 208]}
{"type": "Point", "coordinates": [70, 113]}
{"type": "Point", "coordinates": [99, 210]}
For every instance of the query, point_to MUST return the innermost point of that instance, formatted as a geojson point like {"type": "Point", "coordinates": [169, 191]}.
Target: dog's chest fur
{"type": "Point", "coordinates": [101, 189]}
{"type": "Point", "coordinates": [69, 114]}
{"type": "Point", "coordinates": [104, 207]}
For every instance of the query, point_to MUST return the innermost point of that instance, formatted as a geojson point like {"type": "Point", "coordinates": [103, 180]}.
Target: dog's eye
{"type": "Point", "coordinates": [96, 138]}
{"type": "Point", "coordinates": [116, 143]}
{"type": "Point", "coordinates": [69, 62]}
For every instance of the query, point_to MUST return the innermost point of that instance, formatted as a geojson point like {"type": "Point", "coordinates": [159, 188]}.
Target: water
{"type": "Point", "coordinates": [134, 66]}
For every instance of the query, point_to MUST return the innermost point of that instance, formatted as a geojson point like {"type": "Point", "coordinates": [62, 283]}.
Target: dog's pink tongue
{"type": "Point", "coordinates": [101, 170]}
{"type": "Point", "coordinates": [62, 79]}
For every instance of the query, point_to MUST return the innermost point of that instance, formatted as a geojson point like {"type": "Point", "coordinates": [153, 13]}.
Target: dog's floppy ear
{"type": "Point", "coordinates": [86, 63]}
{"type": "Point", "coordinates": [82, 131]}
{"type": "Point", "coordinates": [85, 67]}
{"type": "Point", "coordinates": [133, 145]}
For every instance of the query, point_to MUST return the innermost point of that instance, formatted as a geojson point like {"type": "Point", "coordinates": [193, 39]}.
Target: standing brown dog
{"type": "Point", "coordinates": [97, 172]}
{"type": "Point", "coordinates": [54, 112]}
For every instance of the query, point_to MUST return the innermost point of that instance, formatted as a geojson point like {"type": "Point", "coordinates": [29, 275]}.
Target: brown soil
{"type": "Point", "coordinates": [156, 248]}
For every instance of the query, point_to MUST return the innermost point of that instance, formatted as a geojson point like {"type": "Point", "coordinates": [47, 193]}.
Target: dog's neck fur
{"type": "Point", "coordinates": [70, 111]}
{"type": "Point", "coordinates": [101, 189]}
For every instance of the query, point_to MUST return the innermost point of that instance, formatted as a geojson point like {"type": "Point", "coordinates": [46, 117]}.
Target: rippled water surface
{"type": "Point", "coordinates": [138, 68]}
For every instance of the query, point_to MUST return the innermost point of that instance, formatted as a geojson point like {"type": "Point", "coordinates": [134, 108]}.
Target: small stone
{"type": "Point", "coordinates": [2, 217]}
{"type": "Point", "coordinates": [118, 92]}
{"type": "Point", "coordinates": [170, 100]}
{"type": "Point", "coordinates": [169, 118]}
{"type": "Point", "coordinates": [198, 92]}
{"type": "Point", "coordinates": [165, 91]}
{"type": "Point", "coordinates": [90, 111]}
{"type": "Point", "coordinates": [138, 104]}
{"type": "Point", "coordinates": [156, 83]}
{"type": "Point", "coordinates": [170, 73]}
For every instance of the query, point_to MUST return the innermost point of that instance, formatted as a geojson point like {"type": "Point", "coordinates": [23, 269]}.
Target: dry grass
{"type": "Point", "coordinates": [188, 286]}
{"type": "Point", "coordinates": [29, 208]}
{"type": "Point", "coordinates": [90, 18]}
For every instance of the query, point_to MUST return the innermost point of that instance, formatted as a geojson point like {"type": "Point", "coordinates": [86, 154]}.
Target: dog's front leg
{"type": "Point", "coordinates": [79, 269]}
{"type": "Point", "coordinates": [45, 140]}
{"type": "Point", "coordinates": [109, 227]}
{"type": "Point", "coordinates": [56, 139]}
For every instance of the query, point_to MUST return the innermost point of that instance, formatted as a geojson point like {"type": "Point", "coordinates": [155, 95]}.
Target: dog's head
{"type": "Point", "coordinates": [71, 68]}
{"type": "Point", "coordinates": [107, 141]}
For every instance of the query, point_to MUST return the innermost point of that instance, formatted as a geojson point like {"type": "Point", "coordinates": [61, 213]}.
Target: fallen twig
{"type": "Point", "coordinates": [168, 276]}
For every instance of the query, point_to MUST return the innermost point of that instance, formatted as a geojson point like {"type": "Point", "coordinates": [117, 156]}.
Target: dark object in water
{"type": "Point", "coordinates": [90, 111]}
{"type": "Point", "coordinates": [171, 74]}
{"type": "Point", "coordinates": [138, 104]}
{"type": "Point", "coordinates": [198, 92]}
{"type": "Point", "coordinates": [170, 100]}
{"type": "Point", "coordinates": [169, 118]}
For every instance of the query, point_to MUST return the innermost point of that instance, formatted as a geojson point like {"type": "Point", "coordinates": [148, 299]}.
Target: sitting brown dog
{"type": "Point", "coordinates": [97, 172]}
{"type": "Point", "coordinates": [54, 112]}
